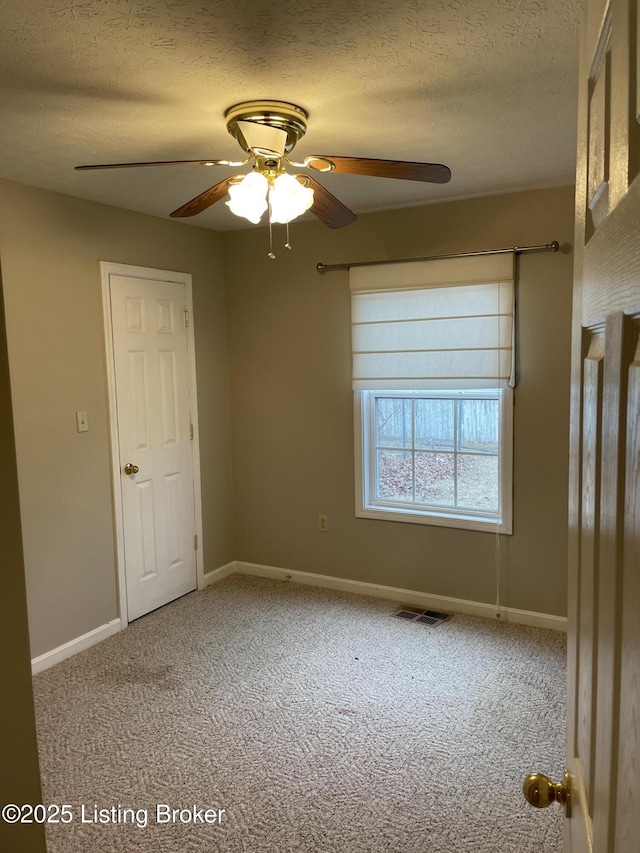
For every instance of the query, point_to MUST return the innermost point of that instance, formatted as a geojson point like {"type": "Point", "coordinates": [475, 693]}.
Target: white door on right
{"type": "Point", "coordinates": [603, 702]}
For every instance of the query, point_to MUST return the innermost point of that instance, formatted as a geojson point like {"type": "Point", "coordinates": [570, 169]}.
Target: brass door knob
{"type": "Point", "coordinates": [540, 791]}
{"type": "Point", "coordinates": [130, 469]}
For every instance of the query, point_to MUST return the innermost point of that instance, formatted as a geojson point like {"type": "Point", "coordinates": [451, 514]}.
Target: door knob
{"type": "Point", "coordinates": [131, 469]}
{"type": "Point", "coordinates": [540, 791]}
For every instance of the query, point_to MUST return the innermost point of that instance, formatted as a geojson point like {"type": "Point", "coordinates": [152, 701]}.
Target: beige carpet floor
{"type": "Point", "coordinates": [316, 720]}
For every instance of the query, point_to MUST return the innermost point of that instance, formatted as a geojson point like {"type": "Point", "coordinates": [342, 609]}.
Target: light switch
{"type": "Point", "coordinates": [82, 421]}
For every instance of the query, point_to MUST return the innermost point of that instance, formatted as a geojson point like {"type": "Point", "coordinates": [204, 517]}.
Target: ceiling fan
{"type": "Point", "coordinates": [268, 131]}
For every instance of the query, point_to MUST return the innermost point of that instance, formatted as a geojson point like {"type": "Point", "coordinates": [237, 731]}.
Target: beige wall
{"type": "Point", "coordinates": [50, 248]}
{"type": "Point", "coordinates": [292, 408]}
{"type": "Point", "coordinates": [292, 417]}
{"type": "Point", "coordinates": [20, 778]}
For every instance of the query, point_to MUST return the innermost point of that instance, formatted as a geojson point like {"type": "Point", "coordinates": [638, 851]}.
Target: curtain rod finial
{"type": "Point", "coordinates": [320, 267]}
{"type": "Point", "coordinates": [553, 247]}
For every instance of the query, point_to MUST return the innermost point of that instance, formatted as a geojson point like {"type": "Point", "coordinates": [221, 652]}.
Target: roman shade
{"type": "Point", "coordinates": [445, 324]}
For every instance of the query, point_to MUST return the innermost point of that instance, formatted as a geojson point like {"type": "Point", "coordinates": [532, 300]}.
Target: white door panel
{"type": "Point", "coordinates": [151, 366]}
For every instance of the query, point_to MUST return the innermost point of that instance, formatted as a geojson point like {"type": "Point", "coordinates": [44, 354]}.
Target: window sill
{"type": "Point", "coordinates": [409, 515]}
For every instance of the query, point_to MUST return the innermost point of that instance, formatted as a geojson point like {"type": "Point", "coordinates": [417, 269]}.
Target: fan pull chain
{"type": "Point", "coordinates": [270, 254]}
{"type": "Point", "coordinates": [287, 245]}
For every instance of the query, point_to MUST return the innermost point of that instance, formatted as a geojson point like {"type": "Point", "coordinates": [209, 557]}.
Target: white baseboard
{"type": "Point", "coordinates": [392, 593]}
{"type": "Point", "coordinates": [216, 575]}
{"type": "Point", "coordinates": [73, 647]}
{"type": "Point", "coordinates": [407, 596]}
{"type": "Point", "coordinates": [48, 659]}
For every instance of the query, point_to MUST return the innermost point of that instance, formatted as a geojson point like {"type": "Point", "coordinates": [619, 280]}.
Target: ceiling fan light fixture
{"type": "Point", "coordinates": [248, 198]}
{"type": "Point", "coordinates": [288, 199]}
{"type": "Point", "coordinates": [267, 131]}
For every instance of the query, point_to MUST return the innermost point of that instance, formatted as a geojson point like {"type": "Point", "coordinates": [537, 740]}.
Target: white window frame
{"type": "Point", "coordinates": [368, 506]}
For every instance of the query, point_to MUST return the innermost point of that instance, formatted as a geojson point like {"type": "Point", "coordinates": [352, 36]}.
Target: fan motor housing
{"type": "Point", "coordinates": [288, 117]}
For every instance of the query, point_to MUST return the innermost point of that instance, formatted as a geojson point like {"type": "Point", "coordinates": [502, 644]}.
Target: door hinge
{"type": "Point", "coordinates": [195, 542]}
{"type": "Point", "coordinates": [186, 319]}
{"type": "Point", "coordinates": [191, 431]}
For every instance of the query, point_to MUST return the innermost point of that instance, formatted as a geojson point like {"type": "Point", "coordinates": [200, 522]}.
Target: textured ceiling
{"type": "Point", "coordinates": [487, 87]}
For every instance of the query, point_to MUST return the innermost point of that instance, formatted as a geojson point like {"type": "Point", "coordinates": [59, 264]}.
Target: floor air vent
{"type": "Point", "coordinates": [426, 617]}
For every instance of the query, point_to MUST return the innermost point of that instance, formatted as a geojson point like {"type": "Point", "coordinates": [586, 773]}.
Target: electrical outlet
{"type": "Point", "coordinates": [82, 422]}
{"type": "Point", "coordinates": [323, 523]}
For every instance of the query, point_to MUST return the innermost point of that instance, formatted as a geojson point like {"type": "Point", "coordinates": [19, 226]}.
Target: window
{"type": "Point", "coordinates": [433, 370]}
{"type": "Point", "coordinates": [436, 457]}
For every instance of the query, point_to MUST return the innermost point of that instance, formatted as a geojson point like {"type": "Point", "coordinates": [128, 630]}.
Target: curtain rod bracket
{"type": "Point", "coordinates": [554, 246]}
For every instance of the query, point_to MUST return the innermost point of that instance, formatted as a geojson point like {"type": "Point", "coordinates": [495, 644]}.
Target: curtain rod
{"type": "Point", "coordinates": [517, 250]}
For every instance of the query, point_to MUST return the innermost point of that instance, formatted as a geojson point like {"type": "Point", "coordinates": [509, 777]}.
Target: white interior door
{"type": "Point", "coordinates": [155, 434]}
{"type": "Point", "coordinates": [603, 722]}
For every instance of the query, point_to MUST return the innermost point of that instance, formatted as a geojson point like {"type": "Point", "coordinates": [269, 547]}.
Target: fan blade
{"type": "Point", "coordinates": [204, 200]}
{"type": "Point", "coordinates": [434, 173]}
{"type": "Point", "coordinates": [327, 207]}
{"type": "Point", "coordinates": [163, 163]}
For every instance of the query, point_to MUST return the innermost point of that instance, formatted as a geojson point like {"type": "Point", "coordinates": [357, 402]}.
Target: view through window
{"type": "Point", "coordinates": [438, 451]}
{"type": "Point", "coordinates": [436, 455]}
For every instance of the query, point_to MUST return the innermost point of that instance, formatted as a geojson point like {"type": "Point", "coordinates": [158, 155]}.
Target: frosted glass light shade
{"type": "Point", "coordinates": [289, 199]}
{"type": "Point", "coordinates": [249, 198]}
